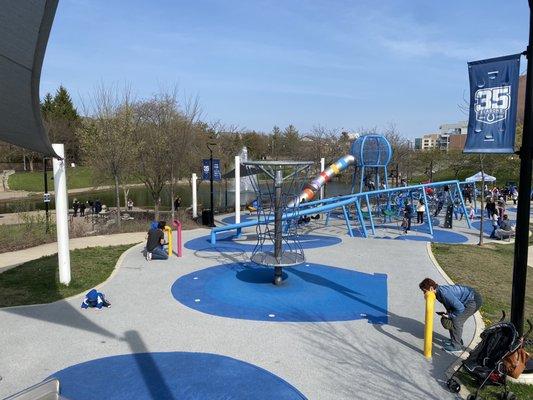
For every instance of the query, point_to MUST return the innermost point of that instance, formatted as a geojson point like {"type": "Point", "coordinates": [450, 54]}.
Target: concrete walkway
{"type": "Point", "coordinates": [324, 360]}
{"type": "Point", "coordinates": [14, 258]}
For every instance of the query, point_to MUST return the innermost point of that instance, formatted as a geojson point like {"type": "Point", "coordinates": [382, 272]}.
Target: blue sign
{"type": "Point", "coordinates": [206, 166]}
{"type": "Point", "coordinates": [493, 104]}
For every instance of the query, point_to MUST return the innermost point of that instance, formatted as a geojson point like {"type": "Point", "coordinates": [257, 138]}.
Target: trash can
{"type": "Point", "coordinates": [448, 219]}
{"type": "Point", "coordinates": [207, 217]}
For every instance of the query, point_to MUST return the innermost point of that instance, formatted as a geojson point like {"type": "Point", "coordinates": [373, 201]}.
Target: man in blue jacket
{"type": "Point", "coordinates": [461, 302]}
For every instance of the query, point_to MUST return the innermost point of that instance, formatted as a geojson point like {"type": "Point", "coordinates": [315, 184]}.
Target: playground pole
{"type": "Point", "coordinates": [524, 196]}
{"type": "Point", "coordinates": [237, 189]}
{"type": "Point", "coordinates": [277, 227]}
{"type": "Point", "coordinates": [428, 330]}
{"type": "Point", "coordinates": [322, 167]}
{"type": "Point", "coordinates": [60, 186]}
{"type": "Point", "coordinates": [194, 197]}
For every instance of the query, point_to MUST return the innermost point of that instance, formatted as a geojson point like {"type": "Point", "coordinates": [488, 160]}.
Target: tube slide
{"type": "Point", "coordinates": [310, 189]}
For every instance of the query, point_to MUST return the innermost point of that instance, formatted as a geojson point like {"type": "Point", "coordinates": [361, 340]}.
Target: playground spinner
{"type": "Point", "coordinates": [278, 243]}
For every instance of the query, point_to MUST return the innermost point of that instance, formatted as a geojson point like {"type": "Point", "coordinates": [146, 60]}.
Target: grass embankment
{"type": "Point", "coordinates": [489, 269]}
{"type": "Point", "coordinates": [78, 177]}
{"type": "Point", "coordinates": [37, 281]}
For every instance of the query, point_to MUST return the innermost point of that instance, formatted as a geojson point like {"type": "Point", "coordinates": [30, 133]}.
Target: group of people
{"type": "Point", "coordinates": [501, 226]}
{"type": "Point", "coordinates": [96, 207]}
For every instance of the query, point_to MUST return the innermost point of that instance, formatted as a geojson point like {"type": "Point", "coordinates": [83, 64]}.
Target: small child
{"type": "Point", "coordinates": [95, 299]}
{"type": "Point", "coordinates": [471, 214]}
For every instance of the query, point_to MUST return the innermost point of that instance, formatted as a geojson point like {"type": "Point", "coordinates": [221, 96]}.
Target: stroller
{"type": "Point", "coordinates": [486, 363]}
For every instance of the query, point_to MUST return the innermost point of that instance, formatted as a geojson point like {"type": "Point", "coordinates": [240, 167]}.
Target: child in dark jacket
{"type": "Point", "coordinates": [95, 299]}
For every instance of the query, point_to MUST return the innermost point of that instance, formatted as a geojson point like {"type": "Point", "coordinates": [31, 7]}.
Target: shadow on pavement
{"type": "Point", "coordinates": [152, 376]}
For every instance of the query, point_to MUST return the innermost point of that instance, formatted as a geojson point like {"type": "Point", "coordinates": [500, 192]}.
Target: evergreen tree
{"type": "Point", "coordinates": [47, 106]}
{"type": "Point", "coordinates": [63, 106]}
{"type": "Point", "coordinates": [61, 121]}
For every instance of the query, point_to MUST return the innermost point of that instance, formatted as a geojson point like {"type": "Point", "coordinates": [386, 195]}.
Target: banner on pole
{"type": "Point", "coordinates": [206, 166]}
{"type": "Point", "coordinates": [493, 104]}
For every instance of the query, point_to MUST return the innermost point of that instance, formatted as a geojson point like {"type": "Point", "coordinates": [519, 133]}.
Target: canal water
{"type": "Point", "coordinates": [141, 197]}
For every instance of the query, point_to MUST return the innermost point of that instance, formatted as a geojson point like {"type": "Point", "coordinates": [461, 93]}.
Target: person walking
{"type": "Point", "coordinates": [75, 207]}
{"type": "Point", "coordinates": [460, 302]}
{"type": "Point", "coordinates": [177, 203]}
{"type": "Point", "coordinates": [407, 215]}
{"type": "Point", "coordinates": [420, 208]}
{"type": "Point", "coordinates": [82, 209]}
{"type": "Point", "coordinates": [494, 220]}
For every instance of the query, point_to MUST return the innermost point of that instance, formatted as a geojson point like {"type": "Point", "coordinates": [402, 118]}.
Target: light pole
{"type": "Point", "coordinates": [518, 294]}
{"type": "Point", "coordinates": [210, 146]}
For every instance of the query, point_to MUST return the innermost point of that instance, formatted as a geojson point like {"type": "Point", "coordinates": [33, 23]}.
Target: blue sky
{"type": "Point", "coordinates": [255, 64]}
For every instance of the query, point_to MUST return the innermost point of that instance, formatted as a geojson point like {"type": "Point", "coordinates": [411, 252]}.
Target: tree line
{"type": "Point", "coordinates": [161, 139]}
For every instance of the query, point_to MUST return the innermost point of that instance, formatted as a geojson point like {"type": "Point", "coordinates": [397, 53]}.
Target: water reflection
{"type": "Point", "coordinates": [142, 198]}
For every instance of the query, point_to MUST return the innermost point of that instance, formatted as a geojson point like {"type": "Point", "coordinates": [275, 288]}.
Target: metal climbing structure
{"type": "Point", "coordinates": [277, 187]}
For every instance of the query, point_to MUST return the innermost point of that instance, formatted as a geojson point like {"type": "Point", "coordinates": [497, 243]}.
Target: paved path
{"type": "Point", "coordinates": [14, 258]}
{"type": "Point", "coordinates": [324, 360]}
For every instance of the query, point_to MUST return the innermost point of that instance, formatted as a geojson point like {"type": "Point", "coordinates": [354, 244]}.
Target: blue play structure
{"type": "Point", "coordinates": [367, 221]}
{"type": "Point", "coordinates": [372, 154]}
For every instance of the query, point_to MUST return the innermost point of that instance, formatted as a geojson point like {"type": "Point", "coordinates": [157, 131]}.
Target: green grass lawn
{"type": "Point", "coordinates": [37, 281]}
{"type": "Point", "coordinates": [489, 269]}
{"type": "Point", "coordinates": [78, 177]}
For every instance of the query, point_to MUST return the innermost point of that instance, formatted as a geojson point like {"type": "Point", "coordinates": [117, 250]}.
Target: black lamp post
{"type": "Point", "coordinates": [524, 195]}
{"type": "Point", "coordinates": [210, 146]}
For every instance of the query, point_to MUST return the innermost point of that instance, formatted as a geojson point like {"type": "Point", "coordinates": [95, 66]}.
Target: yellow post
{"type": "Point", "coordinates": [168, 230]}
{"type": "Point", "coordinates": [428, 332]}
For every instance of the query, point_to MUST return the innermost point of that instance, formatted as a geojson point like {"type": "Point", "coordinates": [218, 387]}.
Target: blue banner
{"type": "Point", "coordinates": [493, 104]}
{"type": "Point", "coordinates": [206, 166]}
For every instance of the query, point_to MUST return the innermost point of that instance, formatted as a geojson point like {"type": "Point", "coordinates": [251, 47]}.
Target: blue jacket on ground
{"type": "Point", "coordinates": [94, 299]}
{"type": "Point", "coordinates": [454, 298]}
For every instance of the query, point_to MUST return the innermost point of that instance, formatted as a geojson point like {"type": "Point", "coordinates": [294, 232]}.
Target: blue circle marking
{"type": "Point", "coordinates": [228, 243]}
{"type": "Point", "coordinates": [173, 375]}
{"type": "Point", "coordinates": [310, 292]}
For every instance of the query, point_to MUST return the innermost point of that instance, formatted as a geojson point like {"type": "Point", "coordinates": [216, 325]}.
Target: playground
{"type": "Point", "coordinates": [275, 305]}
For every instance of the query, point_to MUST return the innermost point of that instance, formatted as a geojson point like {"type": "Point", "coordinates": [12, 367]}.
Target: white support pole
{"type": "Point", "coordinates": [322, 167]}
{"type": "Point", "coordinates": [194, 197]}
{"type": "Point", "coordinates": [60, 186]}
{"type": "Point", "coordinates": [237, 189]}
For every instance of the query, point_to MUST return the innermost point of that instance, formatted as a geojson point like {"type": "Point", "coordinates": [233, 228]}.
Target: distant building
{"type": "Point", "coordinates": [430, 141]}
{"type": "Point", "coordinates": [457, 142]}
{"type": "Point", "coordinates": [450, 136]}
{"type": "Point", "coordinates": [418, 143]}
{"type": "Point", "coordinates": [459, 128]}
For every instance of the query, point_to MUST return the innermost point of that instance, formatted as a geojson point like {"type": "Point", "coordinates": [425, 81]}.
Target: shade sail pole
{"type": "Point", "coordinates": [60, 186]}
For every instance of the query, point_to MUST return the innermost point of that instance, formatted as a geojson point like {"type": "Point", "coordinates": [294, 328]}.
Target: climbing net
{"type": "Point", "coordinates": [277, 188]}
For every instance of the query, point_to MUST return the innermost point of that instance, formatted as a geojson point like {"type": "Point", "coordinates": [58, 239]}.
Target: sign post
{"type": "Point", "coordinates": [211, 171]}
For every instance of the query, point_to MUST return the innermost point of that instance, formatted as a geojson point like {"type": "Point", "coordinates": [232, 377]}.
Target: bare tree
{"type": "Point", "coordinates": [106, 137]}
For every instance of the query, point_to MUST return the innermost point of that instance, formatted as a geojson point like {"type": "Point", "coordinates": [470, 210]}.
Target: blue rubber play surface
{"type": "Point", "coordinates": [310, 292]}
{"type": "Point", "coordinates": [487, 226]}
{"type": "Point", "coordinates": [227, 241]}
{"type": "Point", "coordinates": [174, 375]}
{"type": "Point", "coordinates": [439, 236]}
